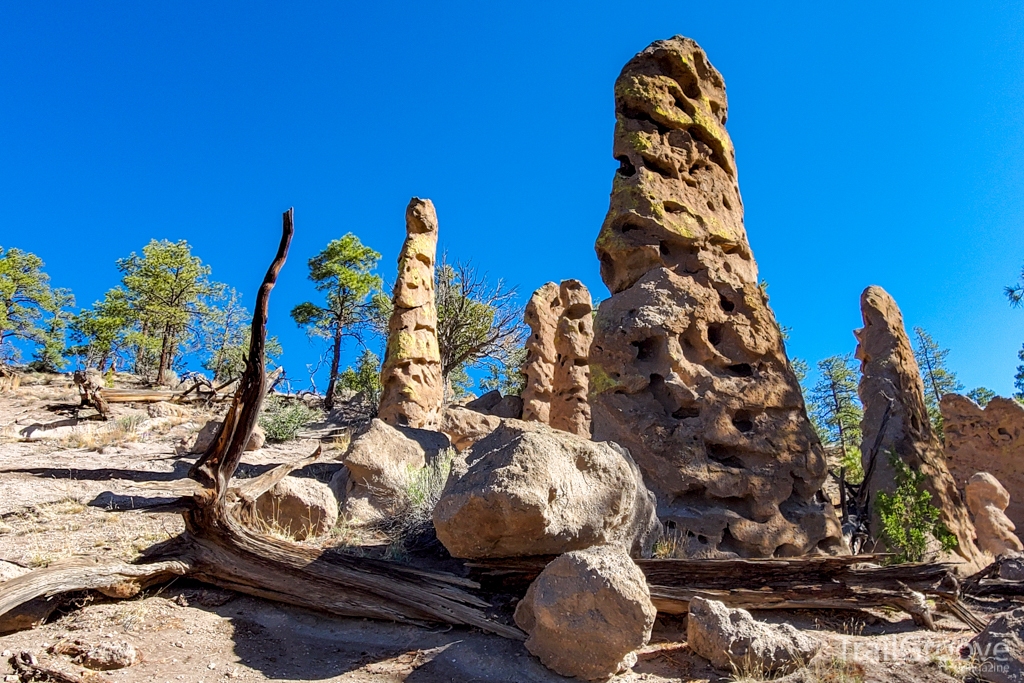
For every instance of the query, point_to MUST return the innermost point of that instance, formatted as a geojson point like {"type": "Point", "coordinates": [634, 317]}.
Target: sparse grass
{"type": "Point", "coordinates": [411, 514]}
{"type": "Point", "coordinates": [667, 546]}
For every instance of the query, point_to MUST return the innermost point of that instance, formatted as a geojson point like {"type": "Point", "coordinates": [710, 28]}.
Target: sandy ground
{"type": "Point", "coordinates": [83, 491]}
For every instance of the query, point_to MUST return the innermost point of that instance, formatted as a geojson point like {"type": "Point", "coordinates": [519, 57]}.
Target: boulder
{"type": "Point", "coordinates": [987, 499]}
{"type": "Point", "coordinates": [989, 439]}
{"type": "Point", "coordinates": [542, 313]}
{"type": "Point", "coordinates": [896, 422]}
{"type": "Point", "coordinates": [98, 656]}
{"type": "Point", "coordinates": [570, 409]}
{"type": "Point", "coordinates": [208, 433]}
{"type": "Point", "coordinates": [484, 403]}
{"type": "Point", "coordinates": [301, 508]}
{"type": "Point", "coordinates": [732, 640]}
{"type": "Point", "coordinates": [533, 490]}
{"type": "Point", "coordinates": [465, 427]}
{"type": "Point", "coordinates": [999, 649]}
{"type": "Point", "coordinates": [412, 390]}
{"type": "Point", "coordinates": [377, 466]}
{"type": "Point", "coordinates": [510, 407]}
{"type": "Point", "coordinates": [688, 369]}
{"type": "Point", "coordinates": [587, 613]}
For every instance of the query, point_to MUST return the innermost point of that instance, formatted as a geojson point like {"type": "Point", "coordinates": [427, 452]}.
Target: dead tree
{"type": "Point", "coordinates": [219, 548]}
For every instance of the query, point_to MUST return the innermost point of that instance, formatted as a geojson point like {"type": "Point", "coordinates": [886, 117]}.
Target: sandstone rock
{"type": "Point", "coordinates": [999, 649]}
{"type": "Point", "coordinates": [892, 393]}
{"type": "Point", "coordinates": [377, 467]}
{"type": "Point", "coordinates": [412, 389]}
{"type": "Point", "coordinates": [732, 640]}
{"type": "Point", "coordinates": [300, 508]}
{"type": "Point", "coordinates": [484, 403]}
{"type": "Point", "coordinates": [9, 570]}
{"type": "Point", "coordinates": [465, 427]}
{"type": "Point", "coordinates": [208, 433]}
{"type": "Point", "coordinates": [534, 490]}
{"type": "Point", "coordinates": [986, 440]}
{"type": "Point", "coordinates": [509, 407]}
{"type": "Point", "coordinates": [98, 656]}
{"type": "Point", "coordinates": [165, 409]}
{"type": "Point", "coordinates": [542, 314]}
{"type": "Point", "coordinates": [688, 369]}
{"type": "Point", "coordinates": [987, 499]}
{"type": "Point", "coordinates": [570, 409]}
{"type": "Point", "coordinates": [587, 613]}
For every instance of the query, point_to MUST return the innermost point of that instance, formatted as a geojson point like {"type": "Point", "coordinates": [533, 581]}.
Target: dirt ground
{"type": "Point", "coordinates": [79, 487]}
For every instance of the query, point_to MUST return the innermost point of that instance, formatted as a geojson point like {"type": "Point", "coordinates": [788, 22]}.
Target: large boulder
{"type": "Point", "coordinates": [510, 407]}
{"type": "Point", "coordinates": [530, 489]}
{"type": "Point", "coordinates": [208, 433]}
{"type": "Point", "coordinates": [300, 508]}
{"type": "Point", "coordinates": [483, 404]}
{"type": "Point", "coordinates": [688, 369]}
{"type": "Point", "coordinates": [588, 613]}
{"type": "Point", "coordinates": [987, 499]}
{"type": "Point", "coordinates": [989, 439]}
{"type": "Point", "coordinates": [377, 467]}
{"type": "Point", "coordinates": [465, 426]}
{"type": "Point", "coordinates": [999, 649]}
{"type": "Point", "coordinates": [732, 640]}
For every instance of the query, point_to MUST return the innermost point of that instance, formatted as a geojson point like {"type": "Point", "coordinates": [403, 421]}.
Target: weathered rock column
{"type": "Point", "coordinates": [412, 392]}
{"type": "Point", "coordinates": [542, 313]}
{"type": "Point", "coordinates": [987, 500]}
{"type": "Point", "coordinates": [896, 420]}
{"type": "Point", "coordinates": [688, 369]}
{"type": "Point", "coordinates": [570, 407]}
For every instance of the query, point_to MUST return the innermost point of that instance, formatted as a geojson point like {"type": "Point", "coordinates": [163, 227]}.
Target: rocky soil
{"type": "Point", "coordinates": [87, 488]}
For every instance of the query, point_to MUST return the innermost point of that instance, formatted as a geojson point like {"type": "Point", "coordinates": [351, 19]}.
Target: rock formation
{"type": "Point", "coordinates": [533, 490]}
{"type": "Point", "coordinates": [465, 427]}
{"type": "Point", "coordinates": [732, 640]}
{"type": "Point", "coordinates": [542, 313]}
{"type": "Point", "coordinates": [896, 421]}
{"type": "Point", "coordinates": [687, 368]}
{"type": "Point", "coordinates": [300, 508]}
{"type": "Point", "coordinates": [987, 499]}
{"type": "Point", "coordinates": [998, 651]}
{"type": "Point", "coordinates": [412, 389]}
{"type": "Point", "coordinates": [986, 440]}
{"type": "Point", "coordinates": [570, 407]}
{"type": "Point", "coordinates": [588, 613]}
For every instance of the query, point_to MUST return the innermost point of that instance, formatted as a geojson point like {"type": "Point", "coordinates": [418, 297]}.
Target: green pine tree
{"type": "Point", "coordinates": [938, 379]}
{"type": "Point", "coordinates": [836, 411]}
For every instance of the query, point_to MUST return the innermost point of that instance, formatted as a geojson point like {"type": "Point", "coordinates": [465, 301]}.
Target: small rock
{"type": "Point", "coordinates": [465, 427]}
{"type": "Point", "coordinates": [208, 433]}
{"type": "Point", "coordinates": [165, 409]}
{"type": "Point", "coordinates": [999, 649]}
{"type": "Point", "coordinates": [301, 508]}
{"type": "Point", "coordinates": [588, 613]}
{"type": "Point", "coordinates": [101, 657]}
{"type": "Point", "coordinates": [731, 639]}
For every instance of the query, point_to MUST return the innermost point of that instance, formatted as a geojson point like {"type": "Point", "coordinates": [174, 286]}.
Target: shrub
{"type": "Point", "coordinates": [908, 517]}
{"type": "Point", "coordinates": [282, 419]}
{"type": "Point", "coordinates": [411, 518]}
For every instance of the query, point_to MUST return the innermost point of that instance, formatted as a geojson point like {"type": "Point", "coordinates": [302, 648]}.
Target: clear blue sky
{"type": "Point", "coordinates": [877, 143]}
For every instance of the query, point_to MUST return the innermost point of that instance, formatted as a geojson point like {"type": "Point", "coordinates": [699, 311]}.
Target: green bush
{"type": "Point", "coordinates": [908, 517]}
{"type": "Point", "coordinates": [282, 419]}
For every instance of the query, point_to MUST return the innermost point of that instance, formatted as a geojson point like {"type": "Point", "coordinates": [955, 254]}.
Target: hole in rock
{"type": "Point", "coordinates": [646, 349]}
{"type": "Point", "coordinates": [701, 538]}
{"type": "Point", "coordinates": [743, 421]}
{"type": "Point", "coordinates": [664, 249]}
{"type": "Point", "coordinates": [626, 167]}
{"type": "Point", "coordinates": [726, 305]}
{"type": "Point", "coordinates": [915, 423]}
{"type": "Point", "coordinates": [580, 362]}
{"type": "Point", "coordinates": [723, 455]}
{"type": "Point", "coordinates": [659, 167]}
{"type": "Point", "coordinates": [740, 370]}
{"type": "Point", "coordinates": [726, 204]}
{"type": "Point", "coordinates": [715, 334]}
{"type": "Point", "coordinates": [686, 412]}
{"type": "Point", "coordinates": [673, 207]}
{"type": "Point", "coordinates": [711, 205]}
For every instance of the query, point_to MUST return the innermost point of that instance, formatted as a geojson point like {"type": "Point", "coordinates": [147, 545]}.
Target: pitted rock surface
{"type": "Point", "coordinates": [542, 314]}
{"type": "Point", "coordinates": [989, 439]}
{"type": "Point", "coordinates": [687, 369]}
{"type": "Point", "coordinates": [570, 407]}
{"type": "Point", "coordinates": [412, 389]}
{"type": "Point", "coordinates": [896, 420]}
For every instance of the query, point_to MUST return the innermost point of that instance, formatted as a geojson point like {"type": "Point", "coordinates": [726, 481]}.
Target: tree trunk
{"type": "Point", "coordinates": [335, 362]}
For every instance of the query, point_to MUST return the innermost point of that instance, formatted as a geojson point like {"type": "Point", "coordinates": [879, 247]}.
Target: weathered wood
{"type": "Point", "coordinates": [9, 379]}
{"type": "Point", "coordinates": [30, 668]}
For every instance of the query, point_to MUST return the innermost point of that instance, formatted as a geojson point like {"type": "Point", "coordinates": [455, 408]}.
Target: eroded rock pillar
{"type": "Point", "coordinates": [542, 314]}
{"type": "Point", "coordinates": [412, 390]}
{"type": "Point", "coordinates": [570, 407]}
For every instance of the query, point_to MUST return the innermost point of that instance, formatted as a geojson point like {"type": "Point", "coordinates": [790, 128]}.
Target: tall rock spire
{"type": "Point", "coordinates": [688, 367]}
{"type": "Point", "coordinates": [412, 389]}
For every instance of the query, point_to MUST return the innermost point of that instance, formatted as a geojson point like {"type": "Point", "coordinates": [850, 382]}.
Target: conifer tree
{"type": "Point", "coordinates": [836, 411]}
{"type": "Point", "coordinates": [938, 379]}
{"type": "Point", "coordinates": [30, 310]}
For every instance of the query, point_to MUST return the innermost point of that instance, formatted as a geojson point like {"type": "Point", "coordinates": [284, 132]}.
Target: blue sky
{"type": "Point", "coordinates": [876, 144]}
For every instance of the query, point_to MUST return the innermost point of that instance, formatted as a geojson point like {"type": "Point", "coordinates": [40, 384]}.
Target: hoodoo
{"type": "Point", "coordinates": [688, 368]}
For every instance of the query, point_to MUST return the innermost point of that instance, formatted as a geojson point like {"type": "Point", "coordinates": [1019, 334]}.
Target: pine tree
{"type": "Point", "coordinates": [30, 310]}
{"type": "Point", "coordinates": [836, 411]}
{"type": "Point", "coordinates": [938, 379]}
